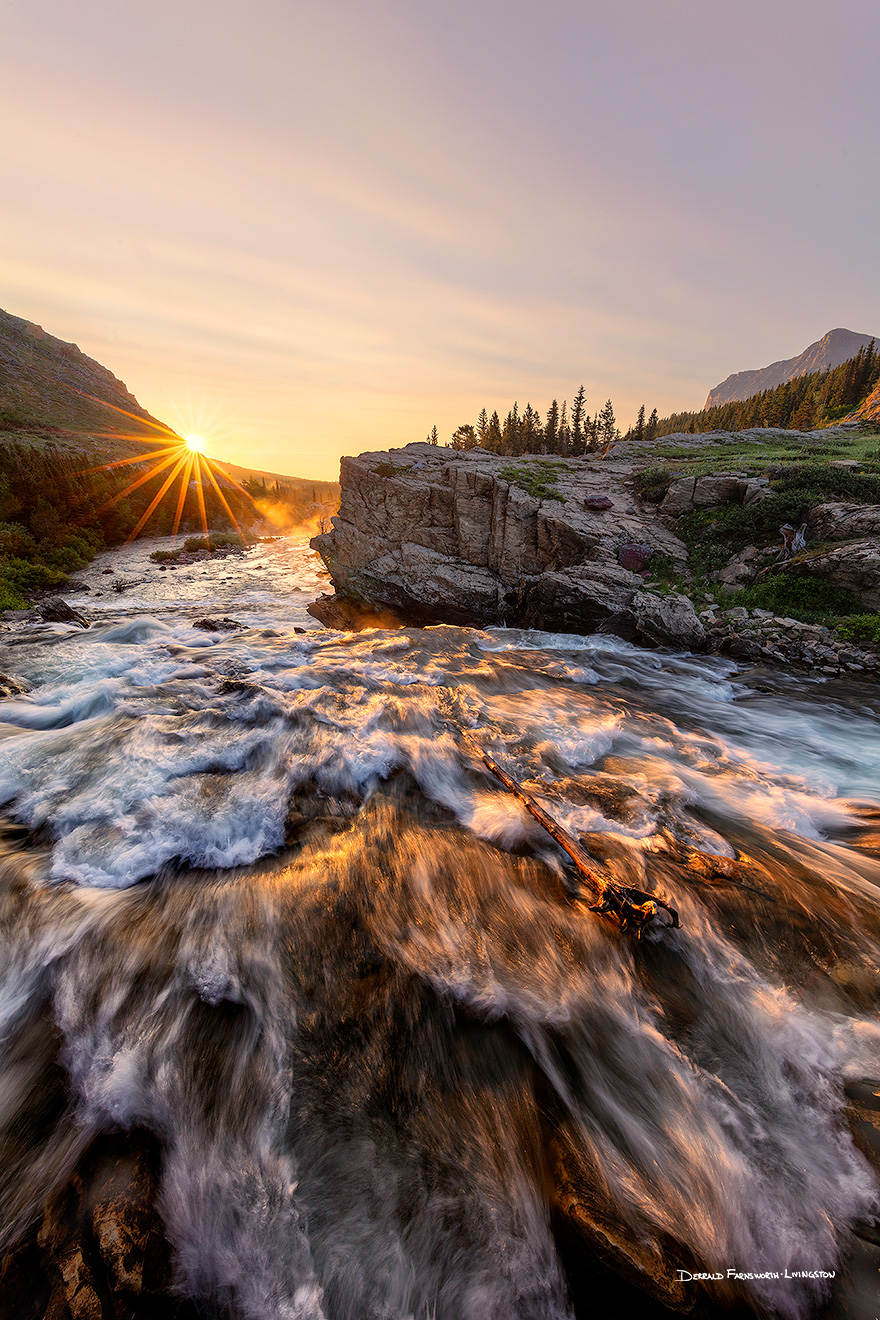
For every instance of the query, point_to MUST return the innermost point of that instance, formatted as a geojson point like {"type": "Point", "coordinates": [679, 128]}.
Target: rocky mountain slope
{"type": "Point", "coordinates": [49, 386]}
{"type": "Point", "coordinates": [869, 410]}
{"type": "Point", "coordinates": [829, 351]}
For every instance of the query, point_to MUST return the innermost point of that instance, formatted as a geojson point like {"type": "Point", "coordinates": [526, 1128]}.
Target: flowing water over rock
{"type": "Point", "coordinates": [299, 1017]}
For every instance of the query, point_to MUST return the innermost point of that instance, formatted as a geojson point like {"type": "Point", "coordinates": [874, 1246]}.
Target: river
{"type": "Point", "coordinates": [268, 922]}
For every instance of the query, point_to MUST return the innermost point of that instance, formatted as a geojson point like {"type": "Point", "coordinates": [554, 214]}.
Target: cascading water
{"type": "Point", "coordinates": [299, 1020]}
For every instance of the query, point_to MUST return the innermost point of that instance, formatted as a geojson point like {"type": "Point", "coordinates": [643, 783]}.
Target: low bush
{"type": "Point", "coordinates": [810, 599]}
{"type": "Point", "coordinates": [216, 541]}
{"type": "Point", "coordinates": [651, 477]}
{"type": "Point", "coordinates": [861, 628]}
{"type": "Point", "coordinates": [10, 598]}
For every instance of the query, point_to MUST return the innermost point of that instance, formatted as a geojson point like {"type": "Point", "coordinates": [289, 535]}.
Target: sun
{"type": "Point", "coordinates": [184, 455]}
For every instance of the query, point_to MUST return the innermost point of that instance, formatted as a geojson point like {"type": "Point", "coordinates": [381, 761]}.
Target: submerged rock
{"type": "Point", "coordinates": [12, 687]}
{"type": "Point", "coordinates": [218, 625]}
{"type": "Point", "coordinates": [56, 610]}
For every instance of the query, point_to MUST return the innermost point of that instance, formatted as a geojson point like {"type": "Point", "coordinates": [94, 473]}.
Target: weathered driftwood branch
{"type": "Point", "coordinates": [585, 865]}
{"type": "Point", "coordinates": [633, 908]}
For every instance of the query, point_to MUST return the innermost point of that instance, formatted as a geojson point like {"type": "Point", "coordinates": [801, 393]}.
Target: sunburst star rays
{"type": "Point", "coordinates": [187, 460]}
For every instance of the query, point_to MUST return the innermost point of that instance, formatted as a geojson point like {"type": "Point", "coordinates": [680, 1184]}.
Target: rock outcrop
{"type": "Point", "coordinates": [843, 522]}
{"type": "Point", "coordinates": [461, 538]}
{"type": "Point", "coordinates": [853, 567]}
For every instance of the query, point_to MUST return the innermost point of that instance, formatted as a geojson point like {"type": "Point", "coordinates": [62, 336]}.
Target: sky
{"type": "Point", "coordinates": [307, 228]}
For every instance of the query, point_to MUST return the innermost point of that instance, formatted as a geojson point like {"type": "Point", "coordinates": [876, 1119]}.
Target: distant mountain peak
{"type": "Point", "coordinates": [833, 348]}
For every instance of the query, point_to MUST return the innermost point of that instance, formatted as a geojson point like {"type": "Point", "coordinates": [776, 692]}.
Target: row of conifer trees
{"type": "Point", "coordinates": [802, 404]}
{"type": "Point", "coordinates": [568, 432]}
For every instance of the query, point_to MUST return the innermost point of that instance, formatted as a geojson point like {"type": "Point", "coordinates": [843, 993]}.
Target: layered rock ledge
{"type": "Point", "coordinates": [470, 538]}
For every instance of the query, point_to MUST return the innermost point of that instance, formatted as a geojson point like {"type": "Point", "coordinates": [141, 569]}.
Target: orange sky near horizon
{"type": "Point", "coordinates": [301, 231]}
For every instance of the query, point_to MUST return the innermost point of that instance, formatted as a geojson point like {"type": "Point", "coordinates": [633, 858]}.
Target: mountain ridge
{"type": "Point", "coordinates": [834, 348]}
{"type": "Point", "coordinates": [49, 384]}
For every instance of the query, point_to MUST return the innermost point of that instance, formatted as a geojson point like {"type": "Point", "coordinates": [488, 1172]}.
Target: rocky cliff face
{"type": "Point", "coordinates": [474, 539]}
{"type": "Point", "coordinates": [829, 351]}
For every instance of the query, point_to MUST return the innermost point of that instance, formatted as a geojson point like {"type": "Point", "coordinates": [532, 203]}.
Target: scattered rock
{"type": "Point", "coordinates": [12, 687]}
{"type": "Point", "coordinates": [56, 610]}
{"type": "Point", "coordinates": [635, 557]}
{"type": "Point", "coordinates": [741, 568]}
{"type": "Point", "coordinates": [598, 503]}
{"type": "Point", "coordinates": [218, 625]}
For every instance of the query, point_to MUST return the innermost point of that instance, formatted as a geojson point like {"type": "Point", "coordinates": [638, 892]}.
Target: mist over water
{"type": "Point", "coordinates": [261, 903]}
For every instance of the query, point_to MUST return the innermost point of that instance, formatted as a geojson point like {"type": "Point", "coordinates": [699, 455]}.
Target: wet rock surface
{"type": "Point", "coordinates": [56, 610]}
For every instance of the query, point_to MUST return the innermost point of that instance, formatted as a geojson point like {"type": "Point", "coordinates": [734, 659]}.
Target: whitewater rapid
{"type": "Point", "coordinates": [281, 920]}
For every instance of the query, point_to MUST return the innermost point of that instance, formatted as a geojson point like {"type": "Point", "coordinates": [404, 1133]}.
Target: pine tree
{"type": "Point", "coordinates": [493, 437]}
{"type": "Point", "coordinates": [532, 433]}
{"type": "Point", "coordinates": [564, 432]}
{"type": "Point", "coordinates": [483, 427]}
{"type": "Point", "coordinates": [607, 425]}
{"type": "Point", "coordinates": [651, 425]}
{"type": "Point", "coordinates": [432, 437]}
{"type": "Point", "coordinates": [465, 437]}
{"type": "Point", "coordinates": [551, 430]}
{"type": "Point", "coordinates": [578, 410]}
{"type": "Point", "coordinates": [638, 433]}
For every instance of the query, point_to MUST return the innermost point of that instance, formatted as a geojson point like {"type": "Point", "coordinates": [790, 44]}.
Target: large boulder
{"type": "Point", "coordinates": [843, 522]}
{"type": "Point", "coordinates": [668, 620]}
{"type": "Point", "coordinates": [713, 490]}
{"type": "Point", "coordinates": [679, 497]}
{"type": "Point", "coordinates": [854, 567]}
{"type": "Point", "coordinates": [56, 610]}
{"type": "Point", "coordinates": [463, 539]}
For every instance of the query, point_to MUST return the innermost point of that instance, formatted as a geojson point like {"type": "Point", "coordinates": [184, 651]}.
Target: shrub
{"type": "Point", "coordinates": [16, 540]}
{"type": "Point", "coordinates": [810, 599]}
{"type": "Point", "coordinates": [650, 477]}
{"type": "Point", "coordinates": [861, 628]}
{"type": "Point", "coordinates": [10, 599]}
{"type": "Point", "coordinates": [217, 540]}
